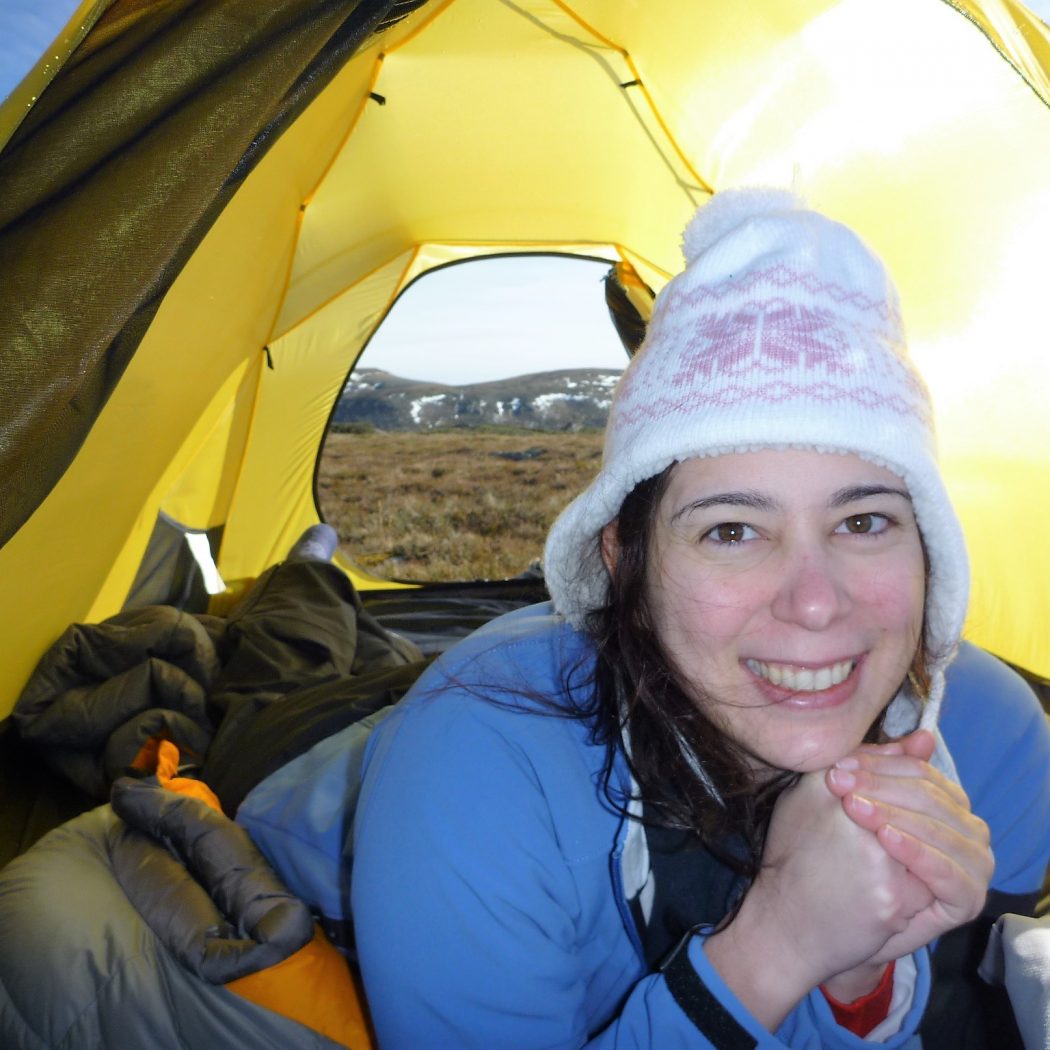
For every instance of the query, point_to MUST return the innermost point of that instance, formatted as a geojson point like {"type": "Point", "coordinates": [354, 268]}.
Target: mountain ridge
{"type": "Point", "coordinates": [565, 399]}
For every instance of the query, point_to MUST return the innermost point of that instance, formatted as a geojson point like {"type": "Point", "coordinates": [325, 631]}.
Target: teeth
{"type": "Point", "coordinates": [802, 679]}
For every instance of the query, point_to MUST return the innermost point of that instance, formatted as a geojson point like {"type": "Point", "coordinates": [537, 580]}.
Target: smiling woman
{"type": "Point", "coordinates": [794, 622]}
{"type": "Point", "coordinates": [707, 796]}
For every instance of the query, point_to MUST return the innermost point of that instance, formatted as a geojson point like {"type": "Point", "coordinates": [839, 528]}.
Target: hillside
{"type": "Point", "coordinates": [572, 399]}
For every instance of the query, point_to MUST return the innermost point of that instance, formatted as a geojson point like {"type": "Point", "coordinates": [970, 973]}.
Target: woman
{"type": "Point", "coordinates": [702, 800]}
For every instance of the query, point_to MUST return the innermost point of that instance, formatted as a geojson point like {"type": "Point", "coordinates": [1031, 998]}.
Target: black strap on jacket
{"type": "Point", "coordinates": [692, 889]}
{"type": "Point", "coordinates": [701, 1006]}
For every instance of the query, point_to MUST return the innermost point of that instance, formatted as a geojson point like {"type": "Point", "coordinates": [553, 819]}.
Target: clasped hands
{"type": "Point", "coordinates": [940, 850]}
{"type": "Point", "coordinates": [912, 861]}
{"type": "Point", "coordinates": [864, 863]}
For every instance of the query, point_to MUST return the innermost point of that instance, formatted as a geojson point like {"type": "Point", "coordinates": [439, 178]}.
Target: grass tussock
{"type": "Point", "coordinates": [451, 505]}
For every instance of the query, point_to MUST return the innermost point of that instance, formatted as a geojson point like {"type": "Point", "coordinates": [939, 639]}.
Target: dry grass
{"type": "Point", "coordinates": [444, 505]}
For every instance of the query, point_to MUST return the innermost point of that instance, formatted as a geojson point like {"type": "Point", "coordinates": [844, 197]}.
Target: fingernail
{"type": "Point", "coordinates": [863, 805]}
{"type": "Point", "coordinates": [892, 833]}
{"type": "Point", "coordinates": [849, 762]}
{"type": "Point", "coordinates": [840, 778]}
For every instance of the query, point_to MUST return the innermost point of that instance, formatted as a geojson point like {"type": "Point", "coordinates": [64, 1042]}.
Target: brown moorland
{"type": "Point", "coordinates": [463, 504]}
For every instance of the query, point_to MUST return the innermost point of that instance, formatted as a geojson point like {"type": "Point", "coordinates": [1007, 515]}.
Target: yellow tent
{"type": "Point", "coordinates": [206, 208]}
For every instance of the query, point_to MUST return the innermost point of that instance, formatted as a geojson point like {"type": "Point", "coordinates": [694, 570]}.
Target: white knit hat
{"type": "Point", "coordinates": [783, 331]}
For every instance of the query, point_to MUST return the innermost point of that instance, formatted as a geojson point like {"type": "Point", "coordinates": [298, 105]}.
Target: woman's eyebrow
{"type": "Point", "coordinates": [751, 500]}
{"type": "Point", "coordinates": [858, 492]}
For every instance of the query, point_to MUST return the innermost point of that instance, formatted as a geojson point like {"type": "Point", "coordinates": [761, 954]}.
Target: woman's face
{"type": "Point", "coordinates": [788, 586]}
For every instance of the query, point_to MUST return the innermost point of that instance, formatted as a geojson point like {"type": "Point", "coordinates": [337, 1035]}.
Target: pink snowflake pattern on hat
{"type": "Point", "coordinates": [771, 337]}
{"type": "Point", "coordinates": [845, 346]}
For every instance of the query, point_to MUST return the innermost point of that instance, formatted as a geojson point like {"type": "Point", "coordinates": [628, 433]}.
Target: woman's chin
{"type": "Point", "coordinates": [808, 755]}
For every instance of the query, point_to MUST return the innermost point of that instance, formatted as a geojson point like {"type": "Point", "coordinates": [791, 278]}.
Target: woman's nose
{"type": "Point", "coordinates": [812, 593]}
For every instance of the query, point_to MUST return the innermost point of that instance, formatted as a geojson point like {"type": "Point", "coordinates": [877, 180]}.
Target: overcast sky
{"type": "Point", "coordinates": [494, 318]}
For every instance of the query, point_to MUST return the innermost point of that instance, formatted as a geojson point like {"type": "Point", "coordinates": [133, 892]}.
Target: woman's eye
{"type": "Point", "coordinates": [730, 532]}
{"type": "Point", "coordinates": [864, 524]}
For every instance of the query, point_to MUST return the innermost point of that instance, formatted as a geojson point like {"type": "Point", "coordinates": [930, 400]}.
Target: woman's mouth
{"type": "Point", "coordinates": [802, 679]}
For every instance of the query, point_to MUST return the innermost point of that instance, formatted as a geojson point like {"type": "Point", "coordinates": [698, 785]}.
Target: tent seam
{"type": "Point", "coordinates": [377, 67]}
{"type": "Point", "coordinates": [704, 185]}
{"type": "Point", "coordinates": [367, 97]}
{"type": "Point", "coordinates": [984, 31]}
{"type": "Point", "coordinates": [340, 293]}
{"type": "Point", "coordinates": [242, 455]}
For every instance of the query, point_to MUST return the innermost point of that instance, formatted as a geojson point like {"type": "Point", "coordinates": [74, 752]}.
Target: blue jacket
{"type": "Point", "coordinates": [488, 895]}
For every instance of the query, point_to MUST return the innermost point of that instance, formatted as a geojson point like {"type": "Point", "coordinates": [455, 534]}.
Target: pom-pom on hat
{"type": "Point", "coordinates": [783, 331]}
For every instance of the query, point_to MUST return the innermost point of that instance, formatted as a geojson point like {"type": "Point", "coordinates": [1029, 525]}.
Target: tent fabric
{"type": "Point", "coordinates": [151, 86]}
{"type": "Point", "coordinates": [211, 206]}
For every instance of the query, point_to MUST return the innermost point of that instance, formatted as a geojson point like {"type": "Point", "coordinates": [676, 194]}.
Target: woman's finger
{"type": "Point", "coordinates": [959, 888]}
{"type": "Point", "coordinates": [964, 839]}
{"type": "Point", "coordinates": [935, 796]}
{"type": "Point", "coordinates": [857, 770]}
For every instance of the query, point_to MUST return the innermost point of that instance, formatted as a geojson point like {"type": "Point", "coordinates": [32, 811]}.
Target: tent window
{"type": "Point", "coordinates": [473, 416]}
